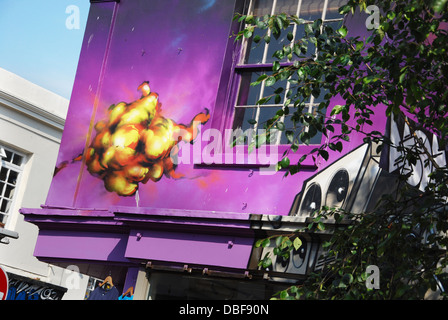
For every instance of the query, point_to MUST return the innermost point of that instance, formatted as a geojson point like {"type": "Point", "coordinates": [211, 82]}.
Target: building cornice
{"type": "Point", "coordinates": [31, 110]}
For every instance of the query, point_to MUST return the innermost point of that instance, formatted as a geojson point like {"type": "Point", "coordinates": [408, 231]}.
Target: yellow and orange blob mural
{"type": "Point", "coordinates": [137, 144]}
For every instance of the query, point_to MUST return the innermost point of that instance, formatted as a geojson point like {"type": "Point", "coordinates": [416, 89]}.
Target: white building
{"type": "Point", "coordinates": [31, 124]}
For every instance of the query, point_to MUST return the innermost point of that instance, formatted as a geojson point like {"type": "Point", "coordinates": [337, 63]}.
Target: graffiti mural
{"type": "Point", "coordinates": [137, 144]}
{"type": "Point", "coordinates": [21, 288]}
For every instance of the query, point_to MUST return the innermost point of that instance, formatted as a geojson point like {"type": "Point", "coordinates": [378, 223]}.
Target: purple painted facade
{"type": "Point", "coordinates": [206, 216]}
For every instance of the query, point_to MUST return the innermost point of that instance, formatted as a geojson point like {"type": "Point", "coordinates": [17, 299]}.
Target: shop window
{"type": "Point", "coordinates": [91, 286]}
{"type": "Point", "coordinates": [11, 167]}
{"type": "Point", "coordinates": [256, 59]}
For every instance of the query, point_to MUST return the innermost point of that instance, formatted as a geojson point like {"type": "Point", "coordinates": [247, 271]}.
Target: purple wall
{"type": "Point", "coordinates": [179, 47]}
{"type": "Point", "coordinates": [181, 54]}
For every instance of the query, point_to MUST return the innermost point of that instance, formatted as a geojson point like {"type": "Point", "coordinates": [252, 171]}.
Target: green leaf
{"type": "Point", "coordinates": [267, 262]}
{"type": "Point", "coordinates": [324, 154]}
{"type": "Point", "coordinates": [247, 33]}
{"type": "Point", "coordinates": [391, 15]}
{"type": "Point", "coordinates": [305, 137]}
{"type": "Point", "coordinates": [339, 146]}
{"type": "Point", "coordinates": [278, 241]}
{"type": "Point", "coordinates": [297, 243]}
{"type": "Point", "coordinates": [343, 31]}
{"type": "Point", "coordinates": [347, 278]}
{"type": "Point", "coordinates": [439, 5]}
{"type": "Point", "coordinates": [280, 126]}
{"type": "Point", "coordinates": [359, 45]}
{"type": "Point", "coordinates": [277, 99]}
{"type": "Point", "coordinates": [308, 28]}
{"type": "Point", "coordinates": [259, 80]}
{"type": "Point", "coordinates": [345, 9]}
{"type": "Point", "coordinates": [337, 109]}
{"type": "Point", "coordinates": [249, 19]}
{"type": "Point", "coordinates": [284, 294]}
{"type": "Point", "coordinates": [279, 22]}
{"type": "Point", "coordinates": [270, 81]}
{"type": "Point", "coordinates": [401, 79]}
{"type": "Point", "coordinates": [278, 91]}
{"type": "Point", "coordinates": [284, 163]}
{"type": "Point", "coordinates": [265, 242]}
{"type": "Point", "coordinates": [289, 135]}
{"type": "Point", "coordinates": [321, 226]}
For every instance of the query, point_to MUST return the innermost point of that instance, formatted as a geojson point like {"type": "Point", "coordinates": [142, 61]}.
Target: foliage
{"type": "Point", "coordinates": [400, 69]}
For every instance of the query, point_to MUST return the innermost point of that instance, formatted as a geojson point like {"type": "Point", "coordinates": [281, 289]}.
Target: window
{"type": "Point", "coordinates": [256, 59]}
{"type": "Point", "coordinates": [11, 168]}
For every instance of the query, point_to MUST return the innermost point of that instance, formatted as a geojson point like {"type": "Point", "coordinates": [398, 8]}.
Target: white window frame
{"type": "Point", "coordinates": [311, 104]}
{"type": "Point", "coordinates": [5, 217]}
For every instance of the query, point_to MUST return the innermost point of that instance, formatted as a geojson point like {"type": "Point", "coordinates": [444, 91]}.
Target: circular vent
{"type": "Point", "coordinates": [298, 256]}
{"type": "Point", "coordinates": [312, 200]}
{"type": "Point", "coordinates": [281, 264]}
{"type": "Point", "coordinates": [337, 190]}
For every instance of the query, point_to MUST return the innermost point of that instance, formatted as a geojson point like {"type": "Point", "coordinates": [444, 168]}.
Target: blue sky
{"type": "Point", "coordinates": [36, 44]}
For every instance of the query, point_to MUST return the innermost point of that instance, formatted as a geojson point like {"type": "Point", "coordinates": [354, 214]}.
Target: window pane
{"type": "Point", "coordinates": [255, 51]}
{"type": "Point", "coordinates": [333, 9]}
{"type": "Point", "coordinates": [242, 117]}
{"type": "Point", "coordinates": [311, 48]}
{"type": "Point", "coordinates": [12, 179]}
{"type": "Point", "coordinates": [267, 113]}
{"type": "Point", "coordinates": [286, 6]}
{"type": "Point", "coordinates": [316, 139]}
{"type": "Point", "coordinates": [249, 95]}
{"type": "Point", "coordinates": [311, 9]}
{"type": "Point", "coordinates": [335, 25]}
{"type": "Point", "coordinates": [291, 126]}
{"type": "Point", "coordinates": [3, 174]}
{"type": "Point", "coordinates": [2, 218]}
{"type": "Point", "coordinates": [262, 7]}
{"type": "Point", "coordinates": [17, 160]}
{"type": "Point", "coordinates": [269, 91]}
{"type": "Point", "coordinates": [4, 207]}
{"type": "Point", "coordinates": [278, 44]}
{"type": "Point", "coordinates": [9, 191]}
{"type": "Point", "coordinates": [8, 156]}
{"type": "Point", "coordinates": [294, 89]}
